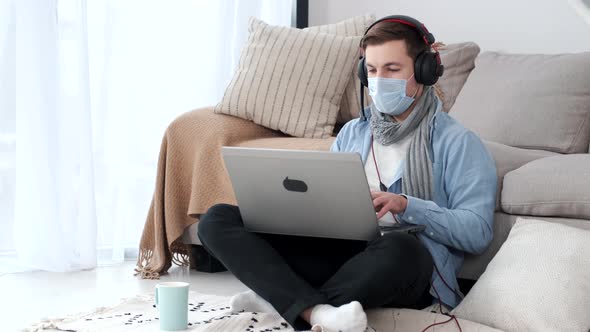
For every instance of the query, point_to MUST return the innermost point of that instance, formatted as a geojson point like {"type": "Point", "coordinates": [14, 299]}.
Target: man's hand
{"type": "Point", "coordinates": [387, 202]}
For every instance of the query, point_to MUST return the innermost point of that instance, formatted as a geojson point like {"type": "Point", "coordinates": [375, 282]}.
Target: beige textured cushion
{"type": "Point", "coordinates": [556, 186]}
{"type": "Point", "coordinates": [290, 79]}
{"type": "Point", "coordinates": [459, 60]}
{"type": "Point", "coordinates": [538, 281]}
{"type": "Point", "coordinates": [474, 265]}
{"type": "Point", "coordinates": [529, 101]}
{"type": "Point", "coordinates": [508, 158]}
{"type": "Point", "coordinates": [355, 26]}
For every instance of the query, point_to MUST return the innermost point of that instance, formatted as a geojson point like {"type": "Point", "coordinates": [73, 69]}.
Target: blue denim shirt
{"type": "Point", "coordinates": [460, 217]}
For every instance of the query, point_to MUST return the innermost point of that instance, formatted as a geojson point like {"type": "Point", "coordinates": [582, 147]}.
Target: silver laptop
{"type": "Point", "coordinates": [306, 193]}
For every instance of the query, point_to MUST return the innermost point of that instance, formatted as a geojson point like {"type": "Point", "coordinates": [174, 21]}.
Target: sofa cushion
{"type": "Point", "coordinates": [529, 101]}
{"type": "Point", "coordinates": [538, 281]}
{"type": "Point", "coordinates": [355, 26]}
{"type": "Point", "coordinates": [459, 60]}
{"type": "Point", "coordinates": [508, 158]}
{"type": "Point", "coordinates": [290, 80]}
{"type": "Point", "coordinates": [555, 186]}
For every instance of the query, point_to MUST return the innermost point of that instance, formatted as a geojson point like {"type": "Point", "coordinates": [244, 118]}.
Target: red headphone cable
{"type": "Point", "coordinates": [452, 317]}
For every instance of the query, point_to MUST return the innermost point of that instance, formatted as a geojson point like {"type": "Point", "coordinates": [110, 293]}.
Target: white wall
{"type": "Point", "coordinates": [515, 26]}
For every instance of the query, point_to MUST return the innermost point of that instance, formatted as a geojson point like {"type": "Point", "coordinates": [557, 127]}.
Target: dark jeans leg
{"type": "Point", "coordinates": [255, 262]}
{"type": "Point", "coordinates": [294, 273]}
{"type": "Point", "coordinates": [394, 270]}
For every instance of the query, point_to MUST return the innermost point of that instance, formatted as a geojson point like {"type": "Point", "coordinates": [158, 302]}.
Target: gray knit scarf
{"type": "Point", "coordinates": [417, 177]}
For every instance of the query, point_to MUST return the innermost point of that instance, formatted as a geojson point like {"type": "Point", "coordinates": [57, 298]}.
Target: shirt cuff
{"type": "Point", "coordinates": [415, 210]}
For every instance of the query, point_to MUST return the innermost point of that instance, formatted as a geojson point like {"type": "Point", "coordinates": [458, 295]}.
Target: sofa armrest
{"type": "Point", "coordinates": [556, 186]}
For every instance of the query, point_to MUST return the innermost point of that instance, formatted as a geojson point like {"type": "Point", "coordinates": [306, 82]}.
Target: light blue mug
{"type": "Point", "coordinates": [172, 302]}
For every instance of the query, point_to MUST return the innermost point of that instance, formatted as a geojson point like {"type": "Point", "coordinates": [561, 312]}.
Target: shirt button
{"type": "Point", "coordinates": [410, 218]}
{"type": "Point", "coordinates": [431, 234]}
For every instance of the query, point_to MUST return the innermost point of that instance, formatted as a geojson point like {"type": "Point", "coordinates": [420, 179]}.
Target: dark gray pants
{"type": "Point", "coordinates": [294, 273]}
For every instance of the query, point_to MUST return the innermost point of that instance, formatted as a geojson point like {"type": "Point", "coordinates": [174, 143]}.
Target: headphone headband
{"type": "Point", "coordinates": [409, 21]}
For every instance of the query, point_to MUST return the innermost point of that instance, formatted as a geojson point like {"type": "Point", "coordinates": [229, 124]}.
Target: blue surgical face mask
{"type": "Point", "coordinates": [389, 95]}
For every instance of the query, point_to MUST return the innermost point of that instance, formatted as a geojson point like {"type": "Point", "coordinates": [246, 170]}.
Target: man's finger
{"type": "Point", "coordinates": [383, 211]}
{"type": "Point", "coordinates": [380, 200]}
{"type": "Point", "coordinates": [377, 194]}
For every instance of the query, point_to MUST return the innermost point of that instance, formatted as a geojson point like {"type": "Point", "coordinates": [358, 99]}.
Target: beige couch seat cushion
{"type": "Point", "coordinates": [529, 101]}
{"type": "Point", "coordinates": [554, 186]}
{"type": "Point", "coordinates": [508, 158]}
{"type": "Point", "coordinates": [290, 80]}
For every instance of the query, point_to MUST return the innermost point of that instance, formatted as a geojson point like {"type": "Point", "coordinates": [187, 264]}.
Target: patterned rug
{"type": "Point", "coordinates": [210, 313]}
{"type": "Point", "coordinates": [206, 313]}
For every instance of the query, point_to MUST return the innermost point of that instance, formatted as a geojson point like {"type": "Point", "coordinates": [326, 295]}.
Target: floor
{"type": "Point", "coordinates": [28, 297]}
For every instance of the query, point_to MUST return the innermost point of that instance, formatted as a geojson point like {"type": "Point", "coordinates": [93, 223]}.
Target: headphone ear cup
{"type": "Point", "coordinates": [426, 68]}
{"type": "Point", "coordinates": [362, 72]}
{"type": "Point", "coordinates": [418, 74]}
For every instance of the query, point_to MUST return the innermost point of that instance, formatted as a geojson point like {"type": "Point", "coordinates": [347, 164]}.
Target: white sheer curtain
{"type": "Point", "coordinates": [7, 123]}
{"type": "Point", "coordinates": [97, 82]}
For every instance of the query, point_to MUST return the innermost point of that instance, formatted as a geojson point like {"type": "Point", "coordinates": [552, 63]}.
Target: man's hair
{"type": "Point", "coordinates": [383, 32]}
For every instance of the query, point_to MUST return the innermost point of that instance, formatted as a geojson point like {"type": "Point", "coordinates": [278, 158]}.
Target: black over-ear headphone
{"type": "Point", "coordinates": [427, 65]}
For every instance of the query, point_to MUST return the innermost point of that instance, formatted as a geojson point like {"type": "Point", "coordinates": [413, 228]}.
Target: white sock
{"type": "Point", "coordinates": [345, 318]}
{"type": "Point", "coordinates": [251, 302]}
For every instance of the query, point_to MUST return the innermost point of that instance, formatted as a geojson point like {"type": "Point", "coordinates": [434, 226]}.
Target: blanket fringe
{"type": "Point", "coordinates": [144, 258]}
{"type": "Point", "coordinates": [181, 253]}
{"type": "Point", "coordinates": [181, 256]}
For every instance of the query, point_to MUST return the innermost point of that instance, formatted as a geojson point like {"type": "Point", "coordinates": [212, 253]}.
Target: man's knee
{"type": "Point", "coordinates": [222, 210]}
{"type": "Point", "coordinates": [217, 217]}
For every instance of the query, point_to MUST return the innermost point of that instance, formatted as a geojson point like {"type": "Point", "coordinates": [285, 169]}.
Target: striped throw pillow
{"type": "Point", "coordinates": [290, 80]}
{"type": "Point", "coordinates": [354, 26]}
